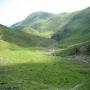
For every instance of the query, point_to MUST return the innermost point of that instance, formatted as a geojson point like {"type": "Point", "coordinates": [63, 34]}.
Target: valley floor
{"type": "Point", "coordinates": [36, 70]}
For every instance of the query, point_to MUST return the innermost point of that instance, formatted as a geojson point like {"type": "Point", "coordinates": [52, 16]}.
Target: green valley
{"type": "Point", "coordinates": [46, 51]}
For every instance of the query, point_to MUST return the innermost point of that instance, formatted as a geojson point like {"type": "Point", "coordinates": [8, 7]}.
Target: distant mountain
{"type": "Point", "coordinates": [76, 30]}
{"type": "Point", "coordinates": [42, 22]}
{"type": "Point", "coordinates": [66, 28]}
{"type": "Point", "coordinates": [13, 39]}
{"type": "Point", "coordinates": [35, 20]}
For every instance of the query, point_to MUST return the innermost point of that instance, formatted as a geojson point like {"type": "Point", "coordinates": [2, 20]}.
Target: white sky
{"type": "Point", "coordinates": [12, 11]}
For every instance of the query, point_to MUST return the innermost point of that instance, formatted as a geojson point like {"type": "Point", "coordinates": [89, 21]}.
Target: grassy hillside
{"type": "Point", "coordinates": [19, 38]}
{"type": "Point", "coordinates": [75, 49]}
{"type": "Point", "coordinates": [55, 22]}
{"type": "Point", "coordinates": [76, 30]}
{"type": "Point", "coordinates": [35, 20]}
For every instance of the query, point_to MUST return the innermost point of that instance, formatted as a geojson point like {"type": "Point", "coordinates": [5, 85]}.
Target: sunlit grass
{"type": "Point", "coordinates": [30, 69]}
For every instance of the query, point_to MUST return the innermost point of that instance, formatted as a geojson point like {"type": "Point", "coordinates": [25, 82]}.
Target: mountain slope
{"type": "Point", "coordinates": [35, 20]}
{"type": "Point", "coordinates": [76, 49]}
{"type": "Point", "coordinates": [19, 38]}
{"type": "Point", "coordinates": [42, 22]}
{"type": "Point", "coordinates": [76, 30]}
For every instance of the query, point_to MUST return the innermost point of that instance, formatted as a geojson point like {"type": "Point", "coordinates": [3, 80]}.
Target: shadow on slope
{"type": "Point", "coordinates": [76, 30]}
